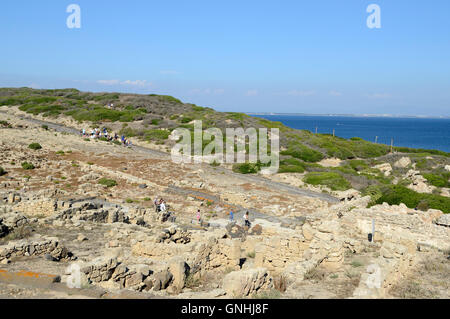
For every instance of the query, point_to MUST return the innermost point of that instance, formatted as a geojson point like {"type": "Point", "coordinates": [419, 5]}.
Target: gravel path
{"type": "Point", "coordinates": [248, 178]}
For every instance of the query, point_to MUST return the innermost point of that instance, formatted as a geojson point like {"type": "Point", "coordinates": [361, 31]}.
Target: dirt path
{"type": "Point", "coordinates": [247, 178]}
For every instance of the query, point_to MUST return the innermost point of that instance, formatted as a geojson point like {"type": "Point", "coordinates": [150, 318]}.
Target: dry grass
{"type": "Point", "coordinates": [428, 281]}
{"type": "Point", "coordinates": [18, 233]}
{"type": "Point", "coordinates": [280, 283]}
{"type": "Point", "coordinates": [315, 274]}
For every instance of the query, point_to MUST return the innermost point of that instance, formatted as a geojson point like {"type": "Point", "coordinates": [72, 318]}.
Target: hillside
{"type": "Point", "coordinates": [358, 164]}
{"type": "Point", "coordinates": [68, 200]}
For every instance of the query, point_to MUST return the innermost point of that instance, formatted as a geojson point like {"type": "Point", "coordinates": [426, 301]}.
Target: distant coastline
{"type": "Point", "coordinates": [351, 115]}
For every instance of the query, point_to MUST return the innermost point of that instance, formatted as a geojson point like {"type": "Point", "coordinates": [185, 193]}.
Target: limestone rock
{"type": "Point", "coordinates": [403, 162]}
{"type": "Point", "coordinates": [385, 168]}
{"type": "Point", "coordinates": [308, 231]}
{"type": "Point", "coordinates": [247, 282]}
{"type": "Point", "coordinates": [179, 270]}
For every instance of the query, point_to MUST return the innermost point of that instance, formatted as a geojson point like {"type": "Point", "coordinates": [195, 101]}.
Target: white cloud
{"type": "Point", "coordinates": [108, 82]}
{"type": "Point", "coordinates": [252, 93]}
{"type": "Point", "coordinates": [140, 83]}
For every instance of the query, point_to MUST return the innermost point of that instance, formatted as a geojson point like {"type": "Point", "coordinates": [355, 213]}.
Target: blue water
{"type": "Point", "coordinates": [407, 132]}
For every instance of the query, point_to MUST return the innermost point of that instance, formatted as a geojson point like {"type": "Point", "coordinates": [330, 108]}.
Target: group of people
{"type": "Point", "coordinates": [246, 218]}
{"type": "Point", "coordinates": [96, 133]}
{"type": "Point", "coordinates": [161, 206]}
{"type": "Point", "coordinates": [247, 222]}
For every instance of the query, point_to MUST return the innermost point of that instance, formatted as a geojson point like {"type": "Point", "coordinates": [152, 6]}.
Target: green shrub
{"type": "Point", "coordinates": [169, 99]}
{"type": "Point", "coordinates": [45, 127]}
{"type": "Point", "coordinates": [186, 120]}
{"type": "Point", "coordinates": [375, 193]}
{"type": "Point", "coordinates": [246, 168]}
{"type": "Point", "coordinates": [5, 124]}
{"type": "Point", "coordinates": [2, 171]}
{"type": "Point", "coordinates": [423, 206]}
{"type": "Point", "coordinates": [156, 135]}
{"type": "Point", "coordinates": [28, 166]}
{"type": "Point", "coordinates": [35, 146]}
{"type": "Point", "coordinates": [397, 194]}
{"type": "Point", "coordinates": [358, 165]}
{"type": "Point", "coordinates": [303, 152]}
{"type": "Point", "coordinates": [215, 163]}
{"type": "Point", "coordinates": [334, 181]}
{"type": "Point", "coordinates": [291, 169]}
{"type": "Point", "coordinates": [107, 182]}
{"type": "Point", "coordinates": [437, 180]}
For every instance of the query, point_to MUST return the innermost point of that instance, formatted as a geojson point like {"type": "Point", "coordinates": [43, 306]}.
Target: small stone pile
{"type": "Point", "coordinates": [175, 235]}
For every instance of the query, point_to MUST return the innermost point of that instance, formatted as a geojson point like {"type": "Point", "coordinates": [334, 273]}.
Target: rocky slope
{"type": "Point", "coordinates": [58, 219]}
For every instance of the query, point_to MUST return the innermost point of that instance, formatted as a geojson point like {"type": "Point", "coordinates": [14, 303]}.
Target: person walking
{"type": "Point", "coordinates": [162, 206]}
{"type": "Point", "coordinates": [199, 216]}
{"type": "Point", "coordinates": [246, 220]}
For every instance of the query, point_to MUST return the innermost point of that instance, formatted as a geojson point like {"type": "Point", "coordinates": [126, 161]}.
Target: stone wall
{"type": "Point", "coordinates": [42, 207]}
{"type": "Point", "coordinates": [39, 247]}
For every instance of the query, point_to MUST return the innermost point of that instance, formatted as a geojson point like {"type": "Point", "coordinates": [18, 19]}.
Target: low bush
{"type": "Point", "coordinates": [28, 166]}
{"type": "Point", "coordinates": [246, 168]}
{"type": "Point", "coordinates": [334, 181]}
{"type": "Point", "coordinates": [35, 146]}
{"type": "Point", "coordinates": [107, 182]}
{"type": "Point", "coordinates": [5, 124]}
{"type": "Point", "coordinates": [303, 152]}
{"type": "Point", "coordinates": [438, 180]}
{"type": "Point", "coordinates": [397, 194]}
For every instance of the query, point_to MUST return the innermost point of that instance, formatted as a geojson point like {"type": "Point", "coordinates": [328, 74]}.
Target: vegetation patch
{"type": "Point", "coordinates": [397, 194]}
{"type": "Point", "coordinates": [107, 182]}
{"type": "Point", "coordinates": [303, 152]}
{"type": "Point", "coordinates": [438, 180]}
{"type": "Point", "coordinates": [334, 181]}
{"type": "Point", "coordinates": [28, 166]}
{"type": "Point", "coordinates": [35, 146]}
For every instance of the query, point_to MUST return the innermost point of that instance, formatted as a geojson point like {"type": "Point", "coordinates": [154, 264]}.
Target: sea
{"type": "Point", "coordinates": [425, 133]}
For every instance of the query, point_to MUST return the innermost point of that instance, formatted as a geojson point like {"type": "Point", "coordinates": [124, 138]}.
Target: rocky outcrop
{"type": "Point", "coordinates": [245, 283]}
{"type": "Point", "coordinates": [418, 182]}
{"type": "Point", "coordinates": [385, 168]}
{"type": "Point", "coordinates": [175, 235]}
{"type": "Point", "coordinates": [403, 162]}
{"type": "Point", "coordinates": [444, 220]}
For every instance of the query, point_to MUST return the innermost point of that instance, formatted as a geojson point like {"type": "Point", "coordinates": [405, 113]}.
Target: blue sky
{"type": "Point", "coordinates": [270, 56]}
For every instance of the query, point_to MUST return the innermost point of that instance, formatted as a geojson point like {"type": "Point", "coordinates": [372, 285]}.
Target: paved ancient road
{"type": "Point", "coordinates": [247, 178]}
